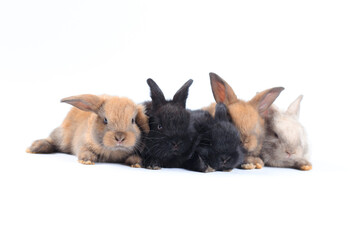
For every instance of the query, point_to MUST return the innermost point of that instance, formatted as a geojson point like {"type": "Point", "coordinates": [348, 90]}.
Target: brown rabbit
{"type": "Point", "coordinates": [98, 129]}
{"type": "Point", "coordinates": [248, 117]}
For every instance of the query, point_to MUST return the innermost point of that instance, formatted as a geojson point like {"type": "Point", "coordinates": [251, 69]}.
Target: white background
{"type": "Point", "coordinates": [54, 49]}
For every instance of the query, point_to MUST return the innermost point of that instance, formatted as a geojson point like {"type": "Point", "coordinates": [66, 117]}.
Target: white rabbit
{"type": "Point", "coordinates": [285, 143]}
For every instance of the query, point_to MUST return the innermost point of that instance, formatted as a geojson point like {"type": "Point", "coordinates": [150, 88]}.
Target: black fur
{"type": "Point", "coordinates": [219, 146]}
{"type": "Point", "coordinates": [169, 143]}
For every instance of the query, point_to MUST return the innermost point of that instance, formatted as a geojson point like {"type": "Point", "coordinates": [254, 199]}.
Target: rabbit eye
{"type": "Point", "coordinates": [275, 135]}
{"type": "Point", "coordinates": [133, 120]}
{"type": "Point", "coordinates": [159, 126]}
{"type": "Point", "coordinates": [105, 121]}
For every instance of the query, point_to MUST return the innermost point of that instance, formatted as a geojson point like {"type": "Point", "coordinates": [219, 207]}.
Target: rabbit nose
{"type": "Point", "coordinates": [225, 159]}
{"type": "Point", "coordinates": [175, 144]}
{"type": "Point", "coordinates": [289, 153]}
{"type": "Point", "coordinates": [119, 137]}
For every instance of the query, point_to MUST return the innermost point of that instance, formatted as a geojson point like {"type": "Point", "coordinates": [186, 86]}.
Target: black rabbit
{"type": "Point", "coordinates": [219, 146]}
{"type": "Point", "coordinates": [169, 143]}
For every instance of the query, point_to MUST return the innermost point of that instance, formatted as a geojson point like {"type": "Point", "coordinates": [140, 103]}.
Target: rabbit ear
{"type": "Point", "coordinates": [221, 90]}
{"type": "Point", "coordinates": [263, 100]}
{"type": "Point", "coordinates": [294, 108]}
{"type": "Point", "coordinates": [221, 112]}
{"type": "Point", "coordinates": [85, 102]}
{"type": "Point", "coordinates": [182, 94]}
{"type": "Point", "coordinates": [156, 94]}
{"type": "Point", "coordinates": [141, 119]}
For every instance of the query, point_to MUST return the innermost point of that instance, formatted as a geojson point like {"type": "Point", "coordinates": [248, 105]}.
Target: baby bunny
{"type": "Point", "coordinates": [285, 143]}
{"type": "Point", "coordinates": [98, 129]}
{"type": "Point", "coordinates": [168, 143]}
{"type": "Point", "coordinates": [219, 148]}
{"type": "Point", "coordinates": [248, 117]}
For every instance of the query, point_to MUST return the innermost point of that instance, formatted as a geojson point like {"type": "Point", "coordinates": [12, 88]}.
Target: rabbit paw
{"type": "Point", "coordinates": [134, 161]}
{"type": "Point", "coordinates": [209, 169]}
{"type": "Point", "coordinates": [86, 162]}
{"type": "Point", "coordinates": [136, 165]}
{"type": "Point", "coordinates": [259, 165]}
{"type": "Point", "coordinates": [153, 167]}
{"type": "Point", "coordinates": [252, 163]}
{"type": "Point", "coordinates": [87, 158]}
{"type": "Point", "coordinates": [248, 166]}
{"type": "Point", "coordinates": [258, 162]}
{"type": "Point", "coordinates": [306, 167]}
{"type": "Point", "coordinates": [303, 164]}
{"type": "Point", "coordinates": [41, 146]}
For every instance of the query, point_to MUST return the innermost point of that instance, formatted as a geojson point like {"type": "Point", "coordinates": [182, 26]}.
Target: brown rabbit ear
{"type": "Point", "coordinates": [141, 119]}
{"type": "Point", "coordinates": [294, 108]}
{"type": "Point", "coordinates": [263, 100]}
{"type": "Point", "coordinates": [85, 102]}
{"type": "Point", "coordinates": [221, 90]}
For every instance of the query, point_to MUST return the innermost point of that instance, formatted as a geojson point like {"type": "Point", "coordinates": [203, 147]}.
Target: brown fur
{"type": "Point", "coordinates": [248, 117]}
{"type": "Point", "coordinates": [84, 133]}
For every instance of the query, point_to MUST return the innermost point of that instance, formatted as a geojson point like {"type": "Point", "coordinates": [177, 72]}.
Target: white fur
{"type": "Point", "coordinates": [285, 143]}
{"type": "Point", "coordinates": [291, 133]}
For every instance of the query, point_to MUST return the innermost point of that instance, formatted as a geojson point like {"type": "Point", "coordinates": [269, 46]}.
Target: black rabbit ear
{"type": "Point", "coordinates": [182, 94]}
{"type": "Point", "coordinates": [156, 94]}
{"type": "Point", "coordinates": [221, 112]}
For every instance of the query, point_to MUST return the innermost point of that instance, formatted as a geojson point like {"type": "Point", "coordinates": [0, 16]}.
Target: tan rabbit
{"type": "Point", "coordinates": [99, 129]}
{"type": "Point", "coordinates": [248, 117]}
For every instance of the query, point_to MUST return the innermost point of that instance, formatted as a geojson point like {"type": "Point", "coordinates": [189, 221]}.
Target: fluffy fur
{"type": "Point", "coordinates": [168, 143]}
{"type": "Point", "coordinates": [98, 129]}
{"type": "Point", "coordinates": [285, 142]}
{"type": "Point", "coordinates": [219, 147]}
{"type": "Point", "coordinates": [248, 117]}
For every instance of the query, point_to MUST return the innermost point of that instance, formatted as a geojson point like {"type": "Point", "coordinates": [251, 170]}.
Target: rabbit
{"type": "Point", "coordinates": [220, 147]}
{"type": "Point", "coordinates": [285, 143]}
{"type": "Point", "coordinates": [248, 117]}
{"type": "Point", "coordinates": [168, 144]}
{"type": "Point", "coordinates": [99, 129]}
